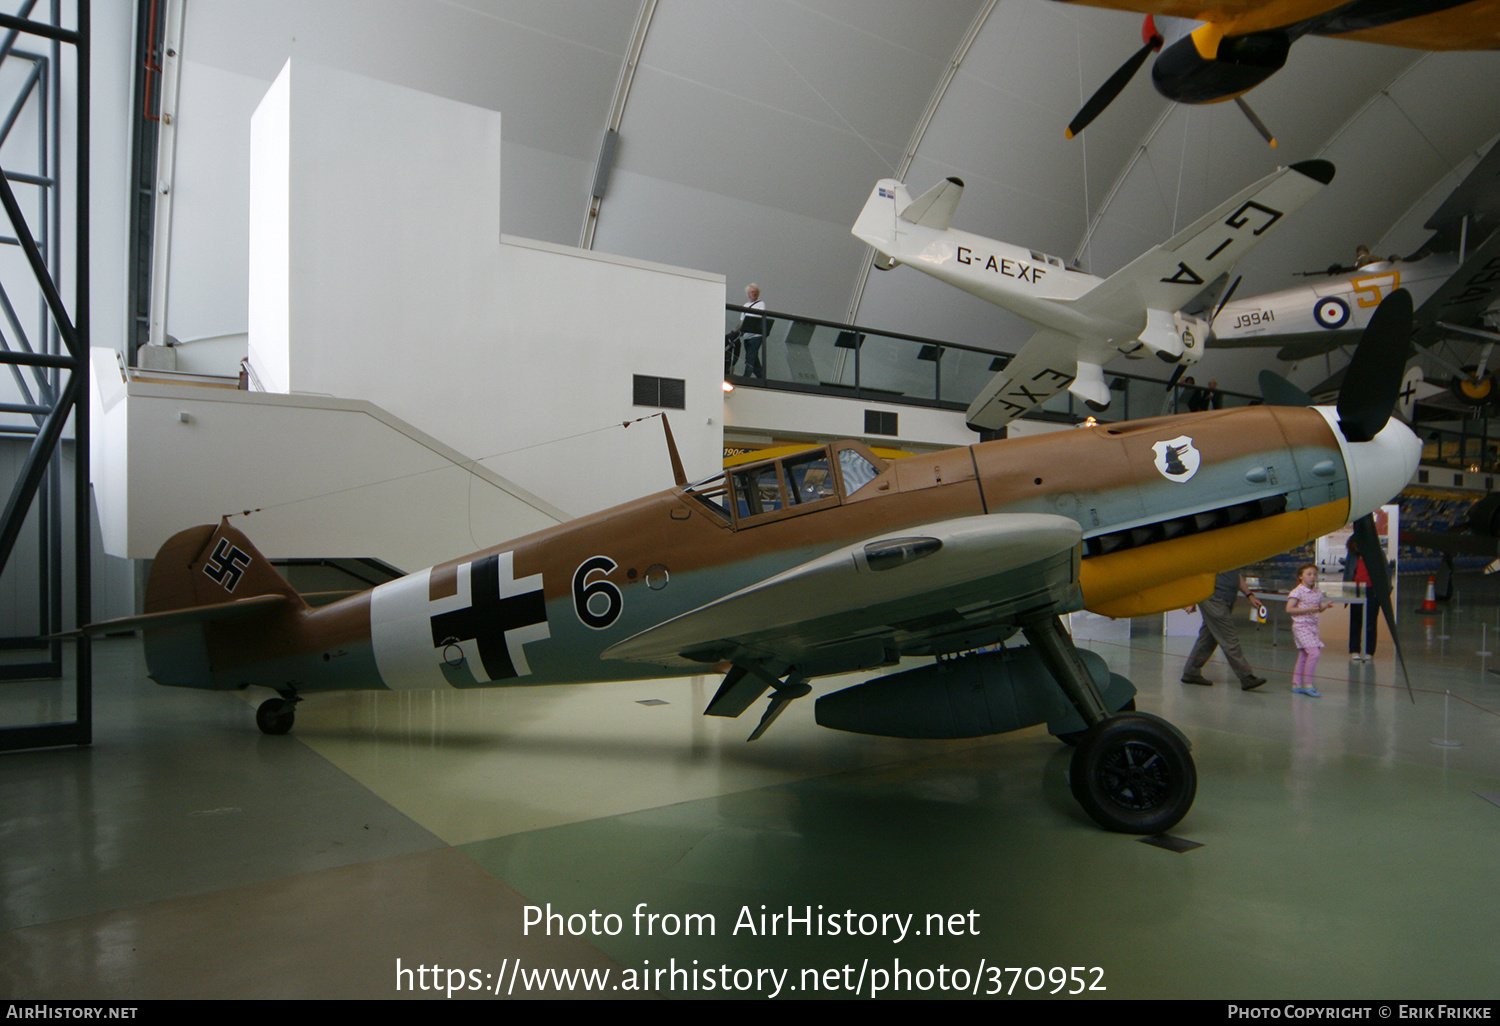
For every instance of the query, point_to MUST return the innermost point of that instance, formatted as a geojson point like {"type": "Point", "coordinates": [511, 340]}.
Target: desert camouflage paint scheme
{"type": "Point", "coordinates": [830, 560]}
{"type": "Point", "coordinates": [578, 602]}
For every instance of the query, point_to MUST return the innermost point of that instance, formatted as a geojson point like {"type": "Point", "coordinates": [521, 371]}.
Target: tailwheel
{"type": "Point", "coordinates": [275, 716]}
{"type": "Point", "coordinates": [1133, 773]}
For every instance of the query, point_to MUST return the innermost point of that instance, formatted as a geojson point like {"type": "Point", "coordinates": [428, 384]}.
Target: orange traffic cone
{"type": "Point", "coordinates": [1429, 604]}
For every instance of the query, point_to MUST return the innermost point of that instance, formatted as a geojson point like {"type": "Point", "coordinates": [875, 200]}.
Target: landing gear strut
{"type": "Point", "coordinates": [276, 715]}
{"type": "Point", "coordinates": [1131, 772]}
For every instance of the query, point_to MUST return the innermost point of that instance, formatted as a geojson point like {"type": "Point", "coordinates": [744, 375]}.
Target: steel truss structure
{"type": "Point", "coordinates": [47, 353]}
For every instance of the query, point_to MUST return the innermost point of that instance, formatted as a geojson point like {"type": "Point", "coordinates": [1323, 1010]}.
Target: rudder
{"type": "Point", "coordinates": [211, 564]}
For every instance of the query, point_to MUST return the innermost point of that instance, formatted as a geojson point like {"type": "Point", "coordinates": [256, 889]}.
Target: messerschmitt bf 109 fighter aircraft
{"type": "Point", "coordinates": [833, 561]}
{"type": "Point", "coordinates": [1214, 50]}
{"type": "Point", "coordinates": [1084, 321]}
{"type": "Point", "coordinates": [1454, 279]}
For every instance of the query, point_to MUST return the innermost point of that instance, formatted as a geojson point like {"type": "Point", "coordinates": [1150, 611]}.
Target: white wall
{"type": "Point", "coordinates": [378, 233]}
{"type": "Point", "coordinates": [208, 273]}
{"type": "Point", "coordinates": [328, 477]}
{"type": "Point", "coordinates": [779, 414]}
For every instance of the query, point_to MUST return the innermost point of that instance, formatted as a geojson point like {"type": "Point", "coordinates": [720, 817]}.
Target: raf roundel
{"type": "Point", "coordinates": [1331, 312]}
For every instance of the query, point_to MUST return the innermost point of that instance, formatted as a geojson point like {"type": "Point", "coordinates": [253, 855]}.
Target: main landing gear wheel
{"type": "Point", "coordinates": [1473, 392]}
{"type": "Point", "coordinates": [1133, 773]}
{"type": "Point", "coordinates": [275, 716]}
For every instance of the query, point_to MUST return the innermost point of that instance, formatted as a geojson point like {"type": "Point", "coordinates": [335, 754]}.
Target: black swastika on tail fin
{"type": "Point", "coordinates": [227, 565]}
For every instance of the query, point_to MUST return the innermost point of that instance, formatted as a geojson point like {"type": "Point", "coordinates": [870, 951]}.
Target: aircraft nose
{"type": "Point", "coordinates": [1381, 467]}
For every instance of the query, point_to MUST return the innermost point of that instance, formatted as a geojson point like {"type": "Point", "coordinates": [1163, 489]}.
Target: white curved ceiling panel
{"type": "Point", "coordinates": [755, 129]}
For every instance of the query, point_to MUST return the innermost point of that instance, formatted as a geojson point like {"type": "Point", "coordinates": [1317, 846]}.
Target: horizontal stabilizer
{"type": "Point", "coordinates": [935, 207]}
{"type": "Point", "coordinates": [238, 609]}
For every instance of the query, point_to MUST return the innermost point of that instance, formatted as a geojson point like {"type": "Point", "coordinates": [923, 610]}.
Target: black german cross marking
{"type": "Point", "coordinates": [488, 617]}
{"type": "Point", "coordinates": [227, 565]}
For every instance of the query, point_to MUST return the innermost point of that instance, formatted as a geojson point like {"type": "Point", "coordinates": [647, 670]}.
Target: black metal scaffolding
{"type": "Point", "coordinates": [49, 363]}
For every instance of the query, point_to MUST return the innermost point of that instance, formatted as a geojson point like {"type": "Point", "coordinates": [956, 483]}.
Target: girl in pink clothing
{"type": "Point", "coordinates": [1304, 605]}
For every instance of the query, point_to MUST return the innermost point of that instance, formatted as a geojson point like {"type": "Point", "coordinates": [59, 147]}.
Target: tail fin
{"type": "Point", "coordinates": [876, 223]}
{"type": "Point", "coordinates": [211, 565]}
{"type": "Point", "coordinates": [935, 207]}
{"type": "Point", "coordinates": [202, 577]}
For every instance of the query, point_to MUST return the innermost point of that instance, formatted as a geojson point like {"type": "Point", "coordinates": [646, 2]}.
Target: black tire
{"type": "Point", "coordinates": [275, 716]}
{"type": "Point", "coordinates": [1133, 774]}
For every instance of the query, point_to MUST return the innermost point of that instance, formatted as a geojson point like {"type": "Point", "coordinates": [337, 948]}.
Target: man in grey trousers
{"type": "Point", "coordinates": [1219, 632]}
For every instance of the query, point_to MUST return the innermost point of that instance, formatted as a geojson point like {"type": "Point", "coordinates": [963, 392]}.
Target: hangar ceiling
{"type": "Point", "coordinates": [754, 129]}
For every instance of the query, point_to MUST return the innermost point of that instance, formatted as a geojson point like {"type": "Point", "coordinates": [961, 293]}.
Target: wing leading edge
{"type": "Point", "coordinates": [926, 590]}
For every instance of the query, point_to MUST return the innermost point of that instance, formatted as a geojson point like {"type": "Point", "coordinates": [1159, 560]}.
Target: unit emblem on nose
{"type": "Point", "coordinates": [1177, 459]}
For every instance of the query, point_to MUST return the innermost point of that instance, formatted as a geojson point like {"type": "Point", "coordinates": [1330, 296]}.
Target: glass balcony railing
{"type": "Point", "coordinates": [800, 354]}
{"type": "Point", "coordinates": [1472, 447]}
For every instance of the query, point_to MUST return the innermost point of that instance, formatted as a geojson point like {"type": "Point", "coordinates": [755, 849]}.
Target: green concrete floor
{"type": "Point", "coordinates": [1343, 854]}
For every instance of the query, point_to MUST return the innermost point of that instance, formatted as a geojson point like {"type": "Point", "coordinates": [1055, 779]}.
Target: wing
{"type": "Point", "coordinates": [1168, 276]}
{"type": "Point", "coordinates": [1198, 10]}
{"type": "Point", "coordinates": [1459, 543]}
{"type": "Point", "coordinates": [1465, 296]}
{"type": "Point", "coordinates": [939, 588]}
{"type": "Point", "coordinates": [1045, 366]}
{"type": "Point", "coordinates": [1451, 25]}
{"type": "Point", "coordinates": [1477, 198]}
{"type": "Point", "coordinates": [1298, 345]}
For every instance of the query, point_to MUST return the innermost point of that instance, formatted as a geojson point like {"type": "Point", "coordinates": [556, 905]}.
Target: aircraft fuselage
{"type": "Point", "coordinates": [1339, 306]}
{"type": "Point", "coordinates": [1163, 504]}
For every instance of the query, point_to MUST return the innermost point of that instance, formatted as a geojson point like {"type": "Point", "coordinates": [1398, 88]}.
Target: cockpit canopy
{"type": "Point", "coordinates": [788, 485]}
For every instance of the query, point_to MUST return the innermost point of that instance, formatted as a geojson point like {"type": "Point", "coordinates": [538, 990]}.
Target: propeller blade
{"type": "Point", "coordinates": [1278, 391]}
{"type": "Point", "coordinates": [1105, 95]}
{"type": "Point", "coordinates": [1228, 295]}
{"type": "Point", "coordinates": [1176, 376]}
{"type": "Point", "coordinates": [1374, 376]}
{"type": "Point", "coordinates": [1370, 550]}
{"type": "Point", "coordinates": [1260, 126]}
